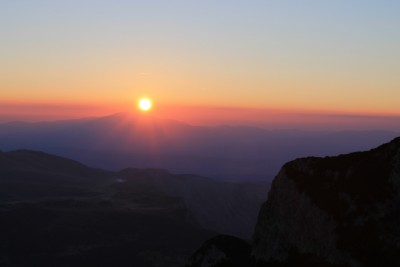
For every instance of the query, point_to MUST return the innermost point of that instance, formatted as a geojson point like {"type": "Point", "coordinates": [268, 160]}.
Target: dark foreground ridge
{"type": "Point", "coordinates": [58, 212]}
{"type": "Point", "coordinates": [339, 211]}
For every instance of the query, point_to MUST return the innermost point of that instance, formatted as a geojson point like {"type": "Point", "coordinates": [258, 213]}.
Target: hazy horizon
{"type": "Point", "coordinates": [210, 116]}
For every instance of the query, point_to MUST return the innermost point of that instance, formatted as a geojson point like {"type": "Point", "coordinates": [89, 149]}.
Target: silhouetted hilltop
{"type": "Point", "coordinates": [34, 161]}
{"type": "Point", "coordinates": [333, 211]}
{"type": "Point", "coordinates": [31, 174]}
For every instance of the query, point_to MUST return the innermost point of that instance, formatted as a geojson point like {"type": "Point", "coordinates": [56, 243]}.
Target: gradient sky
{"type": "Point", "coordinates": [329, 56]}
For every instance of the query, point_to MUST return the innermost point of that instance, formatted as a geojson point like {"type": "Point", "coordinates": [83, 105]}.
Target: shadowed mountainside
{"type": "Point", "coordinates": [58, 212]}
{"type": "Point", "coordinates": [225, 207]}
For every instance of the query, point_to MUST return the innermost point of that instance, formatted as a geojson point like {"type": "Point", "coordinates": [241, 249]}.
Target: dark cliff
{"type": "Point", "coordinates": [341, 211]}
{"type": "Point", "coordinates": [333, 211]}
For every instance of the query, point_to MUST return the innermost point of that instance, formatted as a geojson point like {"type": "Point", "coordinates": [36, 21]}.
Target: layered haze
{"type": "Point", "coordinates": [223, 152]}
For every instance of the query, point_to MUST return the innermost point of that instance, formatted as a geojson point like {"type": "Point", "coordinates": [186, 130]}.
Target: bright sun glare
{"type": "Point", "coordinates": [145, 104]}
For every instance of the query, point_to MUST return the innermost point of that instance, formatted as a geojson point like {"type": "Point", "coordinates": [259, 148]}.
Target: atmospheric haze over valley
{"type": "Point", "coordinates": [228, 153]}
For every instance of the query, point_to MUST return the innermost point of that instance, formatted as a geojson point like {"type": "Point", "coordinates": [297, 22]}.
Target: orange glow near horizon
{"type": "Point", "coordinates": [207, 115]}
{"type": "Point", "coordinates": [260, 56]}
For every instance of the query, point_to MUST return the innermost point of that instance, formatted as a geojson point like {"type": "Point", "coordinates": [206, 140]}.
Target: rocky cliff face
{"type": "Point", "coordinates": [339, 211]}
{"type": "Point", "coordinates": [333, 211]}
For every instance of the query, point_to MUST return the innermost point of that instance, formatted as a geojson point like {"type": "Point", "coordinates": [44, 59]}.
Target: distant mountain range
{"type": "Point", "coordinates": [221, 152]}
{"type": "Point", "coordinates": [58, 212]}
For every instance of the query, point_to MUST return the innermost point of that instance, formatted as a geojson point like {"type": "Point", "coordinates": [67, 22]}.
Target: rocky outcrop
{"type": "Point", "coordinates": [333, 211]}
{"type": "Point", "coordinates": [222, 251]}
{"type": "Point", "coordinates": [339, 211]}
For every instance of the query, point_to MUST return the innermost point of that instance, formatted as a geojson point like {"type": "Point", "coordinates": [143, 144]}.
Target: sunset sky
{"type": "Point", "coordinates": [310, 56]}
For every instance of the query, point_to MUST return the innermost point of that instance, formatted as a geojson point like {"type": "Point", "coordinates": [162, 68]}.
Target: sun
{"type": "Point", "coordinates": [145, 104]}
